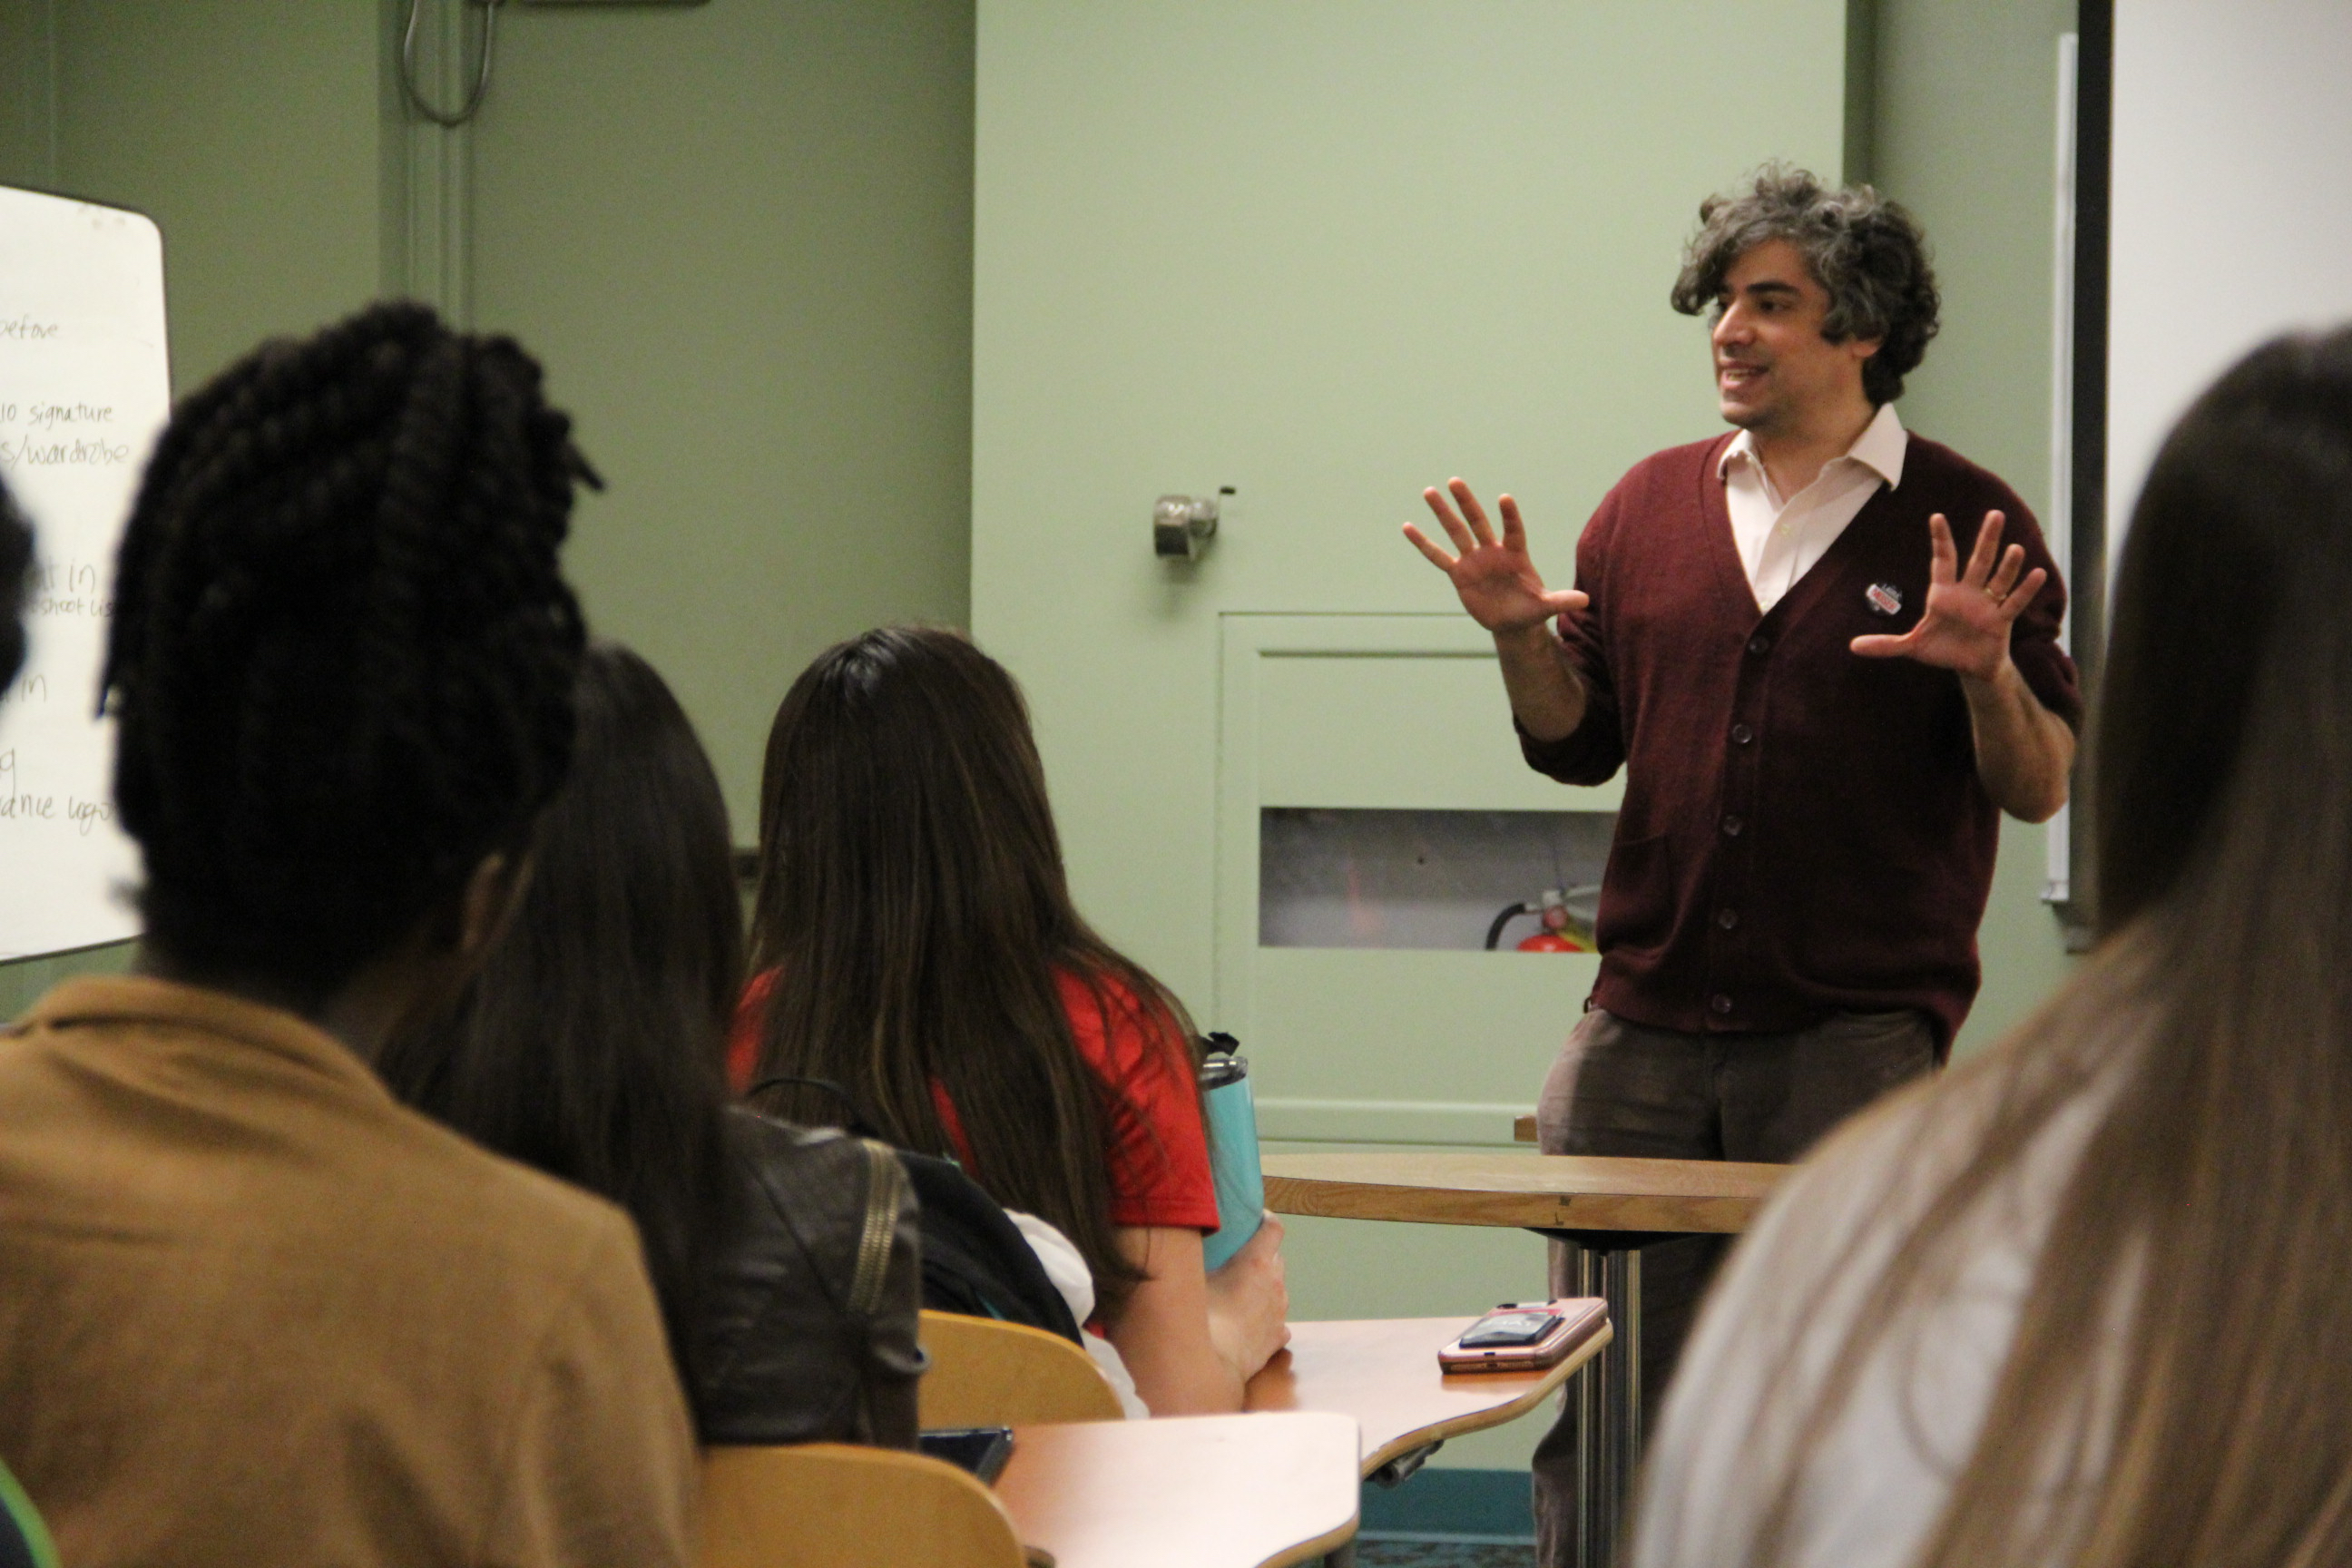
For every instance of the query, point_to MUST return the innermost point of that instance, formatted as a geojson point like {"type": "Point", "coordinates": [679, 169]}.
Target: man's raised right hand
{"type": "Point", "coordinates": [1497, 581]}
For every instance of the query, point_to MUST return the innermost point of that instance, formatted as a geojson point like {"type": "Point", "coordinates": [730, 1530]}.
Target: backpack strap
{"type": "Point", "coordinates": [856, 1122]}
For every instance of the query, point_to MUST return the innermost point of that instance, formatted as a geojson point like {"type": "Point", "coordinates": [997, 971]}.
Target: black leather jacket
{"type": "Point", "coordinates": [808, 1330]}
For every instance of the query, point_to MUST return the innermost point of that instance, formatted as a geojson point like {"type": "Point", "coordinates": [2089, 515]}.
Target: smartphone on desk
{"type": "Point", "coordinates": [1525, 1336]}
{"type": "Point", "coordinates": [982, 1451]}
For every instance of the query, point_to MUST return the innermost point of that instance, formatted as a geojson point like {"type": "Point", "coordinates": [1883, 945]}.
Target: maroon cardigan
{"type": "Point", "coordinates": [1803, 829]}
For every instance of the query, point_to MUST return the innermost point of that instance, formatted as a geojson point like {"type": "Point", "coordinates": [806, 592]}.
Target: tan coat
{"type": "Point", "coordinates": [252, 1311]}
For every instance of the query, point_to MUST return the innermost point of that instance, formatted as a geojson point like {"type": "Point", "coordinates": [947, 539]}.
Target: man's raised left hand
{"type": "Point", "coordinates": [1965, 624]}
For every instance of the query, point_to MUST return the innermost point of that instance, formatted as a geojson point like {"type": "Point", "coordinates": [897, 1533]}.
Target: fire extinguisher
{"type": "Point", "coordinates": [1561, 931]}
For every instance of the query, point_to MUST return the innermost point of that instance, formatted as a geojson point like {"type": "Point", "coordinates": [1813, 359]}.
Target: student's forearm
{"type": "Point", "coordinates": [1179, 1373]}
{"type": "Point", "coordinates": [2024, 752]}
{"type": "Point", "coordinates": [1196, 1386]}
{"type": "Point", "coordinates": [1163, 1330]}
{"type": "Point", "coordinates": [1547, 696]}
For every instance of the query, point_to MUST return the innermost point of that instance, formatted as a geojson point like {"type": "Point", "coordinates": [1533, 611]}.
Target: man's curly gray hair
{"type": "Point", "coordinates": [1866, 251]}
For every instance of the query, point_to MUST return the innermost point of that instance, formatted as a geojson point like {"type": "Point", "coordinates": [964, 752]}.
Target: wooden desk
{"type": "Point", "coordinates": [1185, 1491]}
{"type": "Point", "coordinates": [1541, 1192]}
{"type": "Point", "coordinates": [1384, 1373]}
{"type": "Point", "coordinates": [1611, 1206]}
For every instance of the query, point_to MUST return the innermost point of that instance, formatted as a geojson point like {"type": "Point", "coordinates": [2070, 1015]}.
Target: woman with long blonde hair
{"type": "Point", "coordinates": [2084, 1300]}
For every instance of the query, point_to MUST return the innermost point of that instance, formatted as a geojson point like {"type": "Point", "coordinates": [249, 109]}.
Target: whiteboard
{"type": "Point", "coordinates": [84, 387]}
{"type": "Point", "coordinates": [2231, 220]}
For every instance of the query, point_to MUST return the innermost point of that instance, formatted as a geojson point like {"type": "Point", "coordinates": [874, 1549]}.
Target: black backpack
{"type": "Point", "coordinates": [975, 1260]}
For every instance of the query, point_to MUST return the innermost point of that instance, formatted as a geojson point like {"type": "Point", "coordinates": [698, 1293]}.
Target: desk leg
{"type": "Point", "coordinates": [1608, 1422]}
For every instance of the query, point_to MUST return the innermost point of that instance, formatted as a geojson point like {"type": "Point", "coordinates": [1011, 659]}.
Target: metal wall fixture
{"type": "Point", "coordinates": [452, 119]}
{"type": "Point", "coordinates": [1181, 526]}
{"type": "Point", "coordinates": [449, 118]}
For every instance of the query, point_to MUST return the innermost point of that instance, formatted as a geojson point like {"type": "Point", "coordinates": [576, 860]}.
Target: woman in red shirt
{"type": "Point", "coordinates": [915, 941]}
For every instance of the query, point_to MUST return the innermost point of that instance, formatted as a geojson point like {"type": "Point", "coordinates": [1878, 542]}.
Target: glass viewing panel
{"type": "Point", "coordinates": [1332, 878]}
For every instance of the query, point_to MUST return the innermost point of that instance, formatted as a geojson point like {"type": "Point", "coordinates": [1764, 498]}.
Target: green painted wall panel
{"type": "Point", "coordinates": [1329, 727]}
{"type": "Point", "coordinates": [1965, 137]}
{"type": "Point", "coordinates": [251, 134]}
{"type": "Point", "coordinates": [28, 124]}
{"type": "Point", "coordinates": [1328, 255]}
{"type": "Point", "coordinates": [1432, 1027]}
{"type": "Point", "coordinates": [739, 236]}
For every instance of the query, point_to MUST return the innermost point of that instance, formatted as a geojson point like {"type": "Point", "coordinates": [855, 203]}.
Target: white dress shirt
{"type": "Point", "coordinates": [1779, 540]}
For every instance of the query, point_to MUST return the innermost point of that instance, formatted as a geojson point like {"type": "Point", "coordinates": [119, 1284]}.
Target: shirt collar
{"type": "Point", "coordinates": [1880, 447]}
{"type": "Point", "coordinates": [144, 1001]}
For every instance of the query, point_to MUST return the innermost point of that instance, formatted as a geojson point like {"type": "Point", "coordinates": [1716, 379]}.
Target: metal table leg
{"type": "Point", "coordinates": [1609, 1413]}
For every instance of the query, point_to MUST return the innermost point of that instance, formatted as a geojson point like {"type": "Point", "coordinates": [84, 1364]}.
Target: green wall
{"type": "Point", "coordinates": [1364, 248]}
{"type": "Point", "coordinates": [27, 129]}
{"type": "Point", "coordinates": [739, 235]}
{"type": "Point", "coordinates": [1964, 133]}
{"type": "Point", "coordinates": [251, 134]}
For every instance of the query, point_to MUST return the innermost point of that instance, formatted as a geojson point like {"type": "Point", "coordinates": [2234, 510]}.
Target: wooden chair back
{"type": "Point", "coordinates": [987, 1373]}
{"type": "Point", "coordinates": [830, 1505]}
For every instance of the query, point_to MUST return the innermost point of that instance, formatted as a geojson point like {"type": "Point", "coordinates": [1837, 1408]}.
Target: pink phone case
{"type": "Point", "coordinates": [1576, 1321]}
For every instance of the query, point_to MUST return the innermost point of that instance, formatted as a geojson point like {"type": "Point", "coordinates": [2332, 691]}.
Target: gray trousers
{"type": "Point", "coordinates": [1626, 1088]}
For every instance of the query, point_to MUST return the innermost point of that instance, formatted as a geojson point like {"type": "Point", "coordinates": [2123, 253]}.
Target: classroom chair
{"type": "Point", "coordinates": [831, 1505]}
{"type": "Point", "coordinates": [24, 1540]}
{"type": "Point", "coordinates": [987, 1373]}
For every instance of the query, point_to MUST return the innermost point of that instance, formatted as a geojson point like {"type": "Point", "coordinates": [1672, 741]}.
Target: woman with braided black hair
{"type": "Point", "coordinates": [256, 1310]}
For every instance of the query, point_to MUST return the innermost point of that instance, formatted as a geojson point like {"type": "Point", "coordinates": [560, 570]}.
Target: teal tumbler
{"type": "Point", "coordinates": [1232, 1117]}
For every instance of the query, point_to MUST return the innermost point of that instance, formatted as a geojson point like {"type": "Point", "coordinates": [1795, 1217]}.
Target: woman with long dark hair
{"type": "Point", "coordinates": [917, 945]}
{"type": "Point", "coordinates": [2083, 1301]}
{"type": "Point", "coordinates": [590, 1046]}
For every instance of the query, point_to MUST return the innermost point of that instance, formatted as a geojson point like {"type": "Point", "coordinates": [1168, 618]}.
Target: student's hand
{"type": "Point", "coordinates": [1497, 580]}
{"type": "Point", "coordinates": [1249, 1304]}
{"type": "Point", "coordinates": [1965, 624]}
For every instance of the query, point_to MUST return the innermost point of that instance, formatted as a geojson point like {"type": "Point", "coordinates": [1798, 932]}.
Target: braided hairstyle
{"type": "Point", "coordinates": [15, 580]}
{"type": "Point", "coordinates": [341, 653]}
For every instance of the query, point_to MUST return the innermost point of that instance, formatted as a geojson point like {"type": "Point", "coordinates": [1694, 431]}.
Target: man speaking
{"type": "Point", "coordinates": [1826, 676]}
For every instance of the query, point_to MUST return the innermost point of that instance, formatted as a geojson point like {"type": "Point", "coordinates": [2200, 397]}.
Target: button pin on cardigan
{"type": "Point", "coordinates": [1884, 597]}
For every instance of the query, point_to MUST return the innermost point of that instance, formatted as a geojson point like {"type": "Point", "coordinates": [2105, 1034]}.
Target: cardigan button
{"type": "Point", "coordinates": [1731, 826]}
{"type": "Point", "coordinates": [1760, 646]}
{"type": "Point", "coordinates": [1742, 734]}
{"type": "Point", "coordinates": [1721, 1004]}
{"type": "Point", "coordinates": [1726, 919]}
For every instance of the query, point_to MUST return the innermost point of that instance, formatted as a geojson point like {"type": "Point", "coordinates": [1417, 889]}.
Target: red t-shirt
{"type": "Point", "coordinates": [1159, 1150]}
